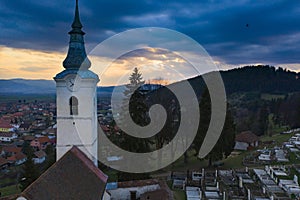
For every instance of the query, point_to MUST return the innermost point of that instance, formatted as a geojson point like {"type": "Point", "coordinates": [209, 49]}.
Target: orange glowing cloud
{"type": "Point", "coordinates": [29, 64]}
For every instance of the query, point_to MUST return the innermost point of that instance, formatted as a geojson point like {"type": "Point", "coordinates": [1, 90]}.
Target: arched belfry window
{"type": "Point", "coordinates": [73, 106]}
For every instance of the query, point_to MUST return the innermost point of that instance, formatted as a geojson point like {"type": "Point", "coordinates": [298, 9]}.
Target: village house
{"type": "Point", "coordinates": [39, 157]}
{"type": "Point", "coordinates": [11, 150]}
{"type": "Point", "coordinates": [7, 136]}
{"type": "Point", "coordinates": [24, 127]}
{"type": "Point", "coordinates": [6, 127]}
{"type": "Point", "coordinates": [40, 143]}
{"type": "Point", "coordinates": [17, 159]}
{"type": "Point", "coordinates": [246, 140]}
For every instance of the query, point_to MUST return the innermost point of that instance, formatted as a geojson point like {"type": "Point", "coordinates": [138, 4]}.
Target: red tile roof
{"type": "Point", "coordinates": [5, 125]}
{"type": "Point", "coordinates": [43, 139]}
{"type": "Point", "coordinates": [18, 156]}
{"type": "Point", "coordinates": [11, 149]}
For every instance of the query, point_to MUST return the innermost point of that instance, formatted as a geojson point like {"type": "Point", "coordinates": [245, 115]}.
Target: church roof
{"type": "Point", "coordinates": [74, 176]}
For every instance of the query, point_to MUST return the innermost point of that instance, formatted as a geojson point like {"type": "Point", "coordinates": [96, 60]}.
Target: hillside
{"type": "Point", "coordinates": [261, 79]}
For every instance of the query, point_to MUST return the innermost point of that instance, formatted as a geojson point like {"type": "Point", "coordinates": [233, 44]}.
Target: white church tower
{"type": "Point", "coordinates": [76, 98]}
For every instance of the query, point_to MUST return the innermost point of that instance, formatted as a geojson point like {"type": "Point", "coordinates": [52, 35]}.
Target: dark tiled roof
{"type": "Point", "coordinates": [246, 136]}
{"type": "Point", "coordinates": [74, 176]}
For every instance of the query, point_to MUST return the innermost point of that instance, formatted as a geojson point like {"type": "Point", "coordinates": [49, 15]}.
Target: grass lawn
{"type": "Point", "coordinates": [235, 161]}
{"type": "Point", "coordinates": [10, 190]}
{"type": "Point", "coordinates": [179, 165]}
{"type": "Point", "coordinates": [278, 138]}
{"type": "Point", "coordinates": [179, 194]}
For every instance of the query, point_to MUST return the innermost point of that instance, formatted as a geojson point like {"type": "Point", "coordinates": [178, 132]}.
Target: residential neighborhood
{"type": "Point", "coordinates": [268, 170]}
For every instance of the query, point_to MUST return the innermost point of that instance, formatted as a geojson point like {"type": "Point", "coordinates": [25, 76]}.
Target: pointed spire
{"type": "Point", "coordinates": [76, 58]}
{"type": "Point", "coordinates": [76, 25]}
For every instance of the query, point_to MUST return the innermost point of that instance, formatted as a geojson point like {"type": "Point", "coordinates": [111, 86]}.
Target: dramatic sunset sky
{"type": "Point", "coordinates": [34, 39]}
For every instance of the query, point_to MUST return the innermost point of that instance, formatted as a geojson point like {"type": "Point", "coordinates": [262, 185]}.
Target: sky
{"type": "Point", "coordinates": [34, 39]}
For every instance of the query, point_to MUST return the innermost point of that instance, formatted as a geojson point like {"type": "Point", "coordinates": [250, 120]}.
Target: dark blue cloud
{"type": "Point", "coordinates": [272, 34]}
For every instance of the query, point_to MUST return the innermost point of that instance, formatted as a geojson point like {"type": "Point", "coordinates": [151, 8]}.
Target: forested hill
{"type": "Point", "coordinates": [262, 79]}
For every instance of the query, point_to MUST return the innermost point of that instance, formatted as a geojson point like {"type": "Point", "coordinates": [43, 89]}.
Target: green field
{"type": "Point", "coordinates": [10, 190]}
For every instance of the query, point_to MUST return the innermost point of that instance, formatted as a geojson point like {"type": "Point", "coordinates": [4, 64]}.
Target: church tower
{"type": "Point", "coordinates": [76, 98]}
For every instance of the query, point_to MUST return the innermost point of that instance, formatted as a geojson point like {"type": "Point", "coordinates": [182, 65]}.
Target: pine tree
{"type": "Point", "coordinates": [226, 142]}
{"type": "Point", "coordinates": [138, 112]}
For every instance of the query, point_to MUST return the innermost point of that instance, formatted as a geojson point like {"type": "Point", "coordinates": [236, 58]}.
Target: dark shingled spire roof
{"type": "Point", "coordinates": [76, 58]}
{"type": "Point", "coordinates": [74, 176]}
{"type": "Point", "coordinates": [77, 26]}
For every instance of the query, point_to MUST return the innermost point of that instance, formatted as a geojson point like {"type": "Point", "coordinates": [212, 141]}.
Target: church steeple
{"type": "Point", "coordinates": [76, 58]}
{"type": "Point", "coordinates": [76, 23]}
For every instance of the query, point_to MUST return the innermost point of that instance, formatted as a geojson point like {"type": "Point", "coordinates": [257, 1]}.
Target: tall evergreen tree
{"type": "Point", "coordinates": [138, 112]}
{"type": "Point", "coordinates": [226, 142]}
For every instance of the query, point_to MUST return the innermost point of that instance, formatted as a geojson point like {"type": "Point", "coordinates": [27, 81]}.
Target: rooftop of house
{"type": "Point", "coordinates": [9, 134]}
{"type": "Point", "coordinates": [43, 139]}
{"type": "Point", "coordinates": [246, 136]}
{"type": "Point", "coordinates": [11, 149]}
{"type": "Point", "coordinates": [39, 154]}
{"type": "Point", "coordinates": [28, 137]}
{"type": "Point", "coordinates": [18, 156]}
{"type": "Point", "coordinates": [5, 125]}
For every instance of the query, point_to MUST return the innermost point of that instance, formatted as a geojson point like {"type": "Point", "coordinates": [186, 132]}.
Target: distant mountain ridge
{"type": "Point", "coordinates": [26, 86]}
{"type": "Point", "coordinates": [266, 79]}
